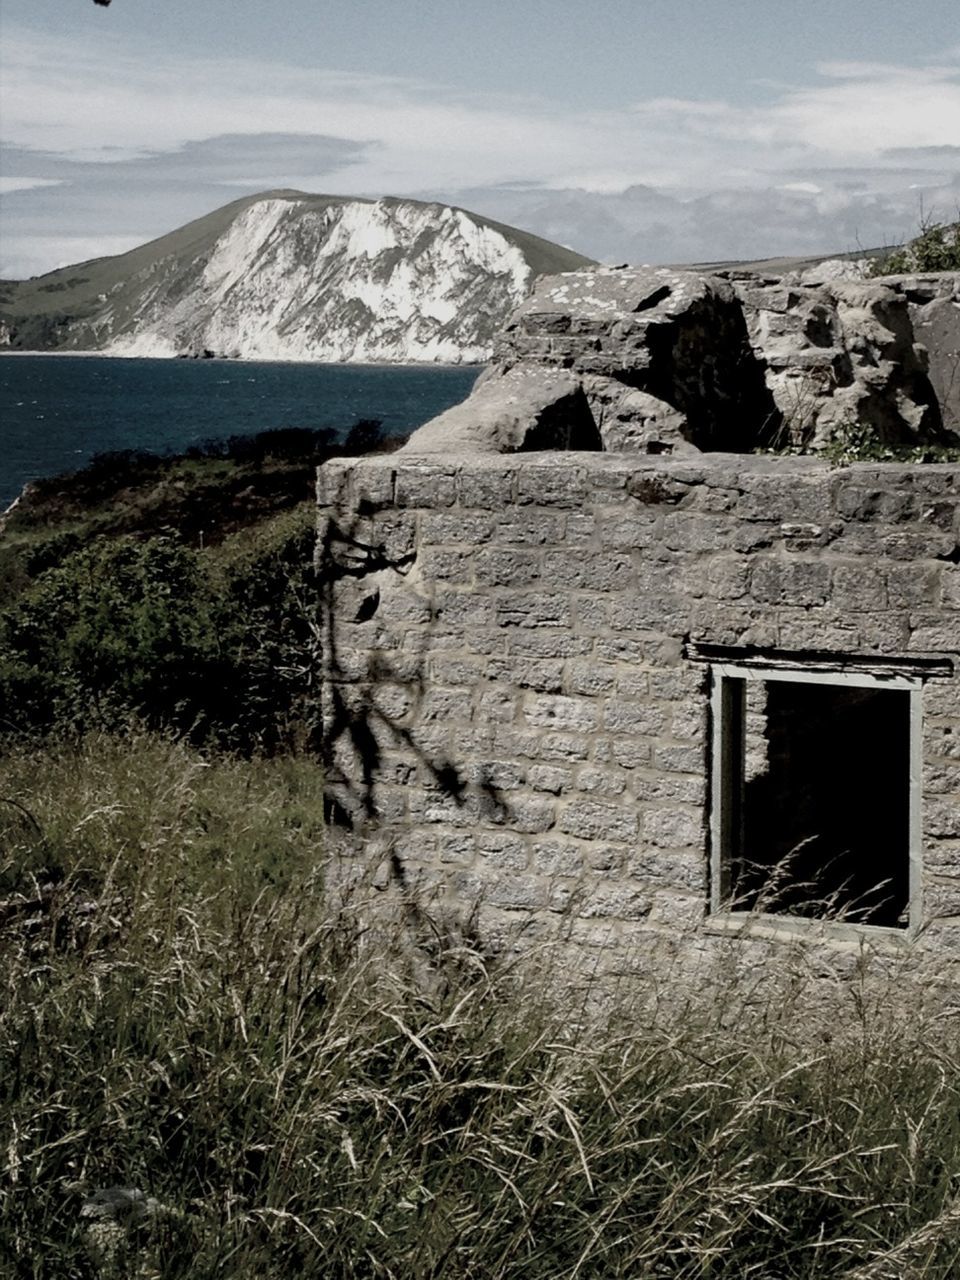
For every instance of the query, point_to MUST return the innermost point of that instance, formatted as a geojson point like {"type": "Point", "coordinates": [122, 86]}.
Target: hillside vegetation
{"type": "Point", "coordinates": [179, 591]}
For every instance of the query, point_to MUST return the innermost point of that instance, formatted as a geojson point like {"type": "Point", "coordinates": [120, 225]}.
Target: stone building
{"type": "Point", "coordinates": [643, 698]}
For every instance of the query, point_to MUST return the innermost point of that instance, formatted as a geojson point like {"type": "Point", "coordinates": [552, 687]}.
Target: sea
{"type": "Point", "coordinates": [58, 411]}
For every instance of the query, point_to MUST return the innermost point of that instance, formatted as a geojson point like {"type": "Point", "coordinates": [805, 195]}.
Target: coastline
{"type": "Point", "coordinates": [242, 360]}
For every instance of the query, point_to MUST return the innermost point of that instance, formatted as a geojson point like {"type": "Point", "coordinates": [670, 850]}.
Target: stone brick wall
{"type": "Point", "coordinates": [514, 719]}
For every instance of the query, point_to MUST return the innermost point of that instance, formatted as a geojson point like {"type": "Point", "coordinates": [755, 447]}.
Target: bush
{"type": "Point", "coordinates": [189, 1014]}
{"type": "Point", "coordinates": [217, 645]}
{"type": "Point", "coordinates": [937, 248]}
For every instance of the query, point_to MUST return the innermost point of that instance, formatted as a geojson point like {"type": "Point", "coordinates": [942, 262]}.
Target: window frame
{"type": "Point", "coordinates": [728, 683]}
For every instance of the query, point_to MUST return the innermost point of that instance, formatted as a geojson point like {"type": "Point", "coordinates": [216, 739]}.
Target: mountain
{"type": "Point", "coordinates": [289, 276]}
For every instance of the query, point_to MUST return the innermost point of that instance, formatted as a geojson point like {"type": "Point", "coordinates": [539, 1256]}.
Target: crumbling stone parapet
{"type": "Point", "coordinates": [656, 360]}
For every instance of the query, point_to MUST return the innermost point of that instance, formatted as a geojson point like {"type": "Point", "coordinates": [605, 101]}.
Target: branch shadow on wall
{"type": "Point", "coordinates": [358, 727]}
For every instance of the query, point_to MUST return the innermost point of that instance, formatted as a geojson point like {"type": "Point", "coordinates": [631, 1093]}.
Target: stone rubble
{"type": "Point", "coordinates": [656, 360]}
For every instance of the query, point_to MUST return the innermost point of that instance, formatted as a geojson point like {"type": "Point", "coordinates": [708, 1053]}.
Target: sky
{"type": "Point", "coordinates": [631, 130]}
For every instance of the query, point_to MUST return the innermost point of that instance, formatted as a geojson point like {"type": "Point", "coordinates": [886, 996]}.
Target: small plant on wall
{"type": "Point", "coordinates": [859, 442]}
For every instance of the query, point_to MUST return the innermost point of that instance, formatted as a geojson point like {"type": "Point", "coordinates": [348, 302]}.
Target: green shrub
{"type": "Point", "coordinates": [217, 645]}
{"type": "Point", "coordinates": [936, 248]}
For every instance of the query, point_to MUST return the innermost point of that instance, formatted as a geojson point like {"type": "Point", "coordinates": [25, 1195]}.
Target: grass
{"type": "Point", "coordinates": [187, 1011]}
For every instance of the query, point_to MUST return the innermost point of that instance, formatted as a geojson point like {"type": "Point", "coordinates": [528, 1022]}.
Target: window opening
{"type": "Point", "coordinates": [815, 795]}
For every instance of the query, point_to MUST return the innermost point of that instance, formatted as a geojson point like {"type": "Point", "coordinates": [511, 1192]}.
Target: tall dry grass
{"type": "Point", "coordinates": [185, 1012]}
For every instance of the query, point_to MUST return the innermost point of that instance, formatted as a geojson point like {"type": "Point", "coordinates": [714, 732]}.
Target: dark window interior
{"type": "Point", "coordinates": [818, 800]}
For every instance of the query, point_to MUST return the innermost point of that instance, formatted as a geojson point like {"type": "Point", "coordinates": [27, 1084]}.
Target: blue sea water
{"type": "Point", "coordinates": [56, 412]}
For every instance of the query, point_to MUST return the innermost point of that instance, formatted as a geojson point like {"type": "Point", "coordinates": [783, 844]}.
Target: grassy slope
{"type": "Point", "coordinates": [186, 1011]}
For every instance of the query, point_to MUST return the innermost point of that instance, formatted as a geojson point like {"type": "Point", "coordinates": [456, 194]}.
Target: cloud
{"type": "Point", "coordinates": [118, 202]}
{"type": "Point", "coordinates": [10, 184]}
{"type": "Point", "coordinates": [935, 156]}
{"type": "Point", "coordinates": [139, 143]}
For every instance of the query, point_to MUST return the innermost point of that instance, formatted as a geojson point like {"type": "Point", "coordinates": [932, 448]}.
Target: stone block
{"type": "Point", "coordinates": [941, 697]}
{"type": "Point", "coordinates": [631, 753]}
{"type": "Point", "coordinates": [591, 820]}
{"type": "Point", "coordinates": [691, 531]}
{"type": "Point", "coordinates": [591, 615]}
{"type": "Point", "coordinates": [798, 583]}
{"type": "Point", "coordinates": [542, 674]}
{"type": "Point", "coordinates": [498, 706]}
{"type": "Point", "coordinates": [941, 898]}
{"type": "Point", "coordinates": [551, 778]}
{"type": "Point", "coordinates": [495, 776]}
{"type": "Point", "coordinates": [579, 529]}
{"type": "Point", "coordinates": [447, 565]}
{"type": "Point", "coordinates": [588, 678]}
{"type": "Point", "coordinates": [443, 528]}
{"type": "Point", "coordinates": [630, 532]}
{"type": "Point", "coordinates": [515, 892]}
{"type": "Point", "coordinates": [884, 506]}
{"type": "Point", "coordinates": [641, 719]}
{"type": "Point", "coordinates": [534, 610]}
{"type": "Point", "coordinates": [557, 858]}
{"type": "Point", "coordinates": [918, 544]}
{"type": "Point", "coordinates": [463, 609]}
{"type": "Point", "coordinates": [633, 685]}
{"type": "Point", "coordinates": [507, 568]}
{"type": "Point", "coordinates": [934, 633]}
{"type": "Point", "coordinates": [942, 859]}
{"type": "Point", "coordinates": [725, 624]}
{"type": "Point", "coordinates": [683, 788]}
{"type": "Point", "coordinates": [530, 817]}
{"type": "Point", "coordinates": [545, 747]}
{"type": "Point", "coordinates": [675, 869]}
{"type": "Point", "coordinates": [503, 851]}
{"type": "Point", "coordinates": [588, 571]}
{"type": "Point", "coordinates": [560, 712]}
{"type": "Point", "coordinates": [530, 527]}
{"type": "Point", "coordinates": [559, 485]}
{"type": "Point", "coordinates": [673, 828]}
{"type": "Point", "coordinates": [661, 611]}
{"type": "Point", "coordinates": [487, 487]}
{"type": "Point", "coordinates": [333, 485]}
{"type": "Point", "coordinates": [941, 819]}
{"type": "Point", "coordinates": [601, 782]}
{"type": "Point", "coordinates": [689, 721]}
{"type": "Point", "coordinates": [454, 669]}
{"type": "Point", "coordinates": [859, 587]}
{"type": "Point", "coordinates": [617, 902]}
{"type": "Point", "coordinates": [547, 644]}
{"type": "Point", "coordinates": [458, 848]}
{"type": "Point", "coordinates": [401, 605]}
{"type": "Point", "coordinates": [422, 484]}
{"type": "Point", "coordinates": [680, 758]}
{"type": "Point", "coordinates": [942, 738]}
{"type": "Point", "coordinates": [914, 585]}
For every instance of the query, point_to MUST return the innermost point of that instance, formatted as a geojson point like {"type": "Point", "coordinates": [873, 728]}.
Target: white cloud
{"type": "Point", "coordinates": [9, 185]}
{"type": "Point", "coordinates": [130, 117]}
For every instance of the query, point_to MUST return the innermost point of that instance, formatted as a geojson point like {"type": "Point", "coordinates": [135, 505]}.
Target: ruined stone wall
{"type": "Point", "coordinates": [515, 716]}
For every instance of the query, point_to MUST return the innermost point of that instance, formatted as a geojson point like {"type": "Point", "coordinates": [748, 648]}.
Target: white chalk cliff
{"type": "Point", "coordinates": [286, 276]}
